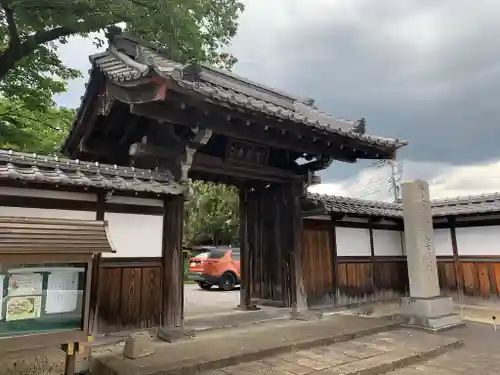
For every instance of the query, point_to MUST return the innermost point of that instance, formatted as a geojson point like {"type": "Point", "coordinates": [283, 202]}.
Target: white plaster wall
{"type": "Point", "coordinates": [46, 213]}
{"type": "Point", "coordinates": [442, 242]}
{"type": "Point", "coordinates": [135, 235]}
{"type": "Point", "coordinates": [387, 242]}
{"type": "Point", "coordinates": [352, 241]}
{"type": "Point", "coordinates": [478, 240]}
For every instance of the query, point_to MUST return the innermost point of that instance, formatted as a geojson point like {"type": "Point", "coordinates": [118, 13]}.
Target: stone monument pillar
{"type": "Point", "coordinates": [425, 307]}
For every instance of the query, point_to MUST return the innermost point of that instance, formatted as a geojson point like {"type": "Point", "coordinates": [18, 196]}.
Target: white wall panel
{"type": "Point", "coordinates": [45, 193]}
{"type": "Point", "coordinates": [46, 213]}
{"type": "Point", "coordinates": [135, 235]}
{"type": "Point", "coordinates": [478, 240]}
{"type": "Point", "coordinates": [352, 241]}
{"type": "Point", "coordinates": [387, 242]}
{"type": "Point", "coordinates": [135, 201]}
{"type": "Point", "coordinates": [442, 242]}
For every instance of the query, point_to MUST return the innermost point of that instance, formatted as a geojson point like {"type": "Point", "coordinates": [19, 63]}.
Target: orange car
{"type": "Point", "coordinates": [216, 266]}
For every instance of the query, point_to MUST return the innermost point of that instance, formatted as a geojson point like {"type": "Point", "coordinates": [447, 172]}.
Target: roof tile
{"type": "Point", "coordinates": [467, 205]}
{"type": "Point", "coordinates": [61, 171]}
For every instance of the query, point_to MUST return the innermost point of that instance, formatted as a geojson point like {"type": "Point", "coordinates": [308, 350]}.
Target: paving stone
{"type": "Point", "coordinates": [332, 358]}
{"type": "Point", "coordinates": [462, 361]}
{"type": "Point", "coordinates": [302, 360]}
{"type": "Point", "coordinates": [251, 368]}
{"type": "Point", "coordinates": [423, 370]}
{"type": "Point", "coordinates": [333, 355]}
{"type": "Point", "coordinates": [357, 349]}
{"type": "Point", "coordinates": [368, 363]}
{"type": "Point", "coordinates": [290, 367]}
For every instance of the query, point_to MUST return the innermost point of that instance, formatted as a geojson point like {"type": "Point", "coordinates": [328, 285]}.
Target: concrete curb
{"type": "Point", "coordinates": [406, 361]}
{"type": "Point", "coordinates": [240, 325]}
{"type": "Point", "coordinates": [191, 369]}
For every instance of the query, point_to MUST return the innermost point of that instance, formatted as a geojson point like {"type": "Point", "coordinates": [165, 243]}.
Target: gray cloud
{"type": "Point", "coordinates": [426, 71]}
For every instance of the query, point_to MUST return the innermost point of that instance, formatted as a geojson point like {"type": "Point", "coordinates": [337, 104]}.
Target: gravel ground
{"type": "Point", "coordinates": [199, 302]}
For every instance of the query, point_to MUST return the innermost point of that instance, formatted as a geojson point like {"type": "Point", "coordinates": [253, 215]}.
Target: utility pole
{"type": "Point", "coordinates": [395, 179]}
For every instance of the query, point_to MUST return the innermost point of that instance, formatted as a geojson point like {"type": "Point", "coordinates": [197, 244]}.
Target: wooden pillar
{"type": "Point", "coordinates": [96, 272]}
{"type": "Point", "coordinates": [335, 260]}
{"type": "Point", "coordinates": [372, 255]}
{"type": "Point", "coordinates": [246, 254]}
{"type": "Point", "coordinates": [172, 267]}
{"type": "Point", "coordinates": [299, 304]}
{"type": "Point", "coordinates": [456, 260]}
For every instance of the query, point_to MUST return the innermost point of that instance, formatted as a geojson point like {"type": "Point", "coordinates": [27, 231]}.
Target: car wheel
{"type": "Point", "coordinates": [205, 286]}
{"type": "Point", "coordinates": [227, 281]}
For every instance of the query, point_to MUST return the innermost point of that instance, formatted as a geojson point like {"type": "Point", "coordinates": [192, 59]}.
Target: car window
{"type": "Point", "coordinates": [217, 253]}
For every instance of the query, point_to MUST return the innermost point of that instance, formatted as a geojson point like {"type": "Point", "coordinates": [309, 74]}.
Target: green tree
{"type": "Point", "coordinates": [189, 29]}
{"type": "Point", "coordinates": [31, 72]}
{"type": "Point", "coordinates": [33, 130]}
{"type": "Point", "coordinates": [211, 215]}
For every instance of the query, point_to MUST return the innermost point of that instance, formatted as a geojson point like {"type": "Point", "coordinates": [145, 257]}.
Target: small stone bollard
{"type": "Point", "coordinates": [138, 345]}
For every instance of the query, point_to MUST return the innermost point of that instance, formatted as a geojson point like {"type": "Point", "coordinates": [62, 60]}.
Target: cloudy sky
{"type": "Point", "coordinates": [427, 71]}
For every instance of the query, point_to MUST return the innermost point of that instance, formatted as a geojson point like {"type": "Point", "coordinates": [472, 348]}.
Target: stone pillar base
{"type": "Point", "coordinates": [434, 313]}
{"type": "Point", "coordinates": [247, 307]}
{"type": "Point", "coordinates": [173, 334]}
{"type": "Point", "coordinates": [306, 315]}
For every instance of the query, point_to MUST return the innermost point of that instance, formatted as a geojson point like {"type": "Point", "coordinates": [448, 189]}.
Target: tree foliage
{"type": "Point", "coordinates": [211, 215]}
{"type": "Point", "coordinates": [30, 31]}
{"type": "Point", "coordinates": [33, 130]}
{"type": "Point", "coordinates": [31, 73]}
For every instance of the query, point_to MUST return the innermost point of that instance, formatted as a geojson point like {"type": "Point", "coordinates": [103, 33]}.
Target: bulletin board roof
{"type": "Point", "coordinates": [40, 235]}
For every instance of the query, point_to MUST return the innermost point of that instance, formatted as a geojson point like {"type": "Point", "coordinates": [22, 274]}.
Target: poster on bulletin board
{"type": "Point", "coordinates": [62, 292]}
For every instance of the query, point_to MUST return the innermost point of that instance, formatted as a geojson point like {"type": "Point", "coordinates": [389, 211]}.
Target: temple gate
{"type": "Point", "coordinates": [143, 109]}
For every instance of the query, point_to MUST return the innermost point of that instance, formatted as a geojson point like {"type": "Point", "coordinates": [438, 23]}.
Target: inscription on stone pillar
{"type": "Point", "coordinates": [419, 240]}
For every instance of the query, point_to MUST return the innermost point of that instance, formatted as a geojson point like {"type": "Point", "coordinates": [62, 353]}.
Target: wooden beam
{"type": "Point", "coordinates": [148, 92]}
{"type": "Point", "coordinates": [236, 128]}
{"type": "Point", "coordinates": [214, 165]}
{"type": "Point", "coordinates": [143, 149]}
{"type": "Point", "coordinates": [312, 133]}
{"type": "Point", "coordinates": [172, 270]}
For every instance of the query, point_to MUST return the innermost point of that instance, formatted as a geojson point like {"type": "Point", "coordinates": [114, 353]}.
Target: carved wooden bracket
{"type": "Point", "coordinates": [200, 139]}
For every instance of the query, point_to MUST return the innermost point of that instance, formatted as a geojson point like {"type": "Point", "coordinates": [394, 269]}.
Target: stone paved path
{"type": "Point", "coordinates": [479, 355]}
{"type": "Point", "coordinates": [345, 357]}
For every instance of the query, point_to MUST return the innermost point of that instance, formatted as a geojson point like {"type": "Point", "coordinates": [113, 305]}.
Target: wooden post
{"type": "Point", "coordinates": [335, 260]}
{"type": "Point", "coordinates": [172, 270]}
{"type": "Point", "coordinates": [372, 255]}
{"type": "Point", "coordinates": [245, 253]}
{"type": "Point", "coordinates": [96, 272]}
{"type": "Point", "coordinates": [456, 260]}
{"type": "Point", "coordinates": [299, 305]}
{"type": "Point", "coordinates": [70, 358]}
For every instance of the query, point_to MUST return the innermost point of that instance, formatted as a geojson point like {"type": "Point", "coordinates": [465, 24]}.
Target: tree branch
{"type": "Point", "coordinates": [11, 25]}
{"type": "Point", "coordinates": [14, 53]}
